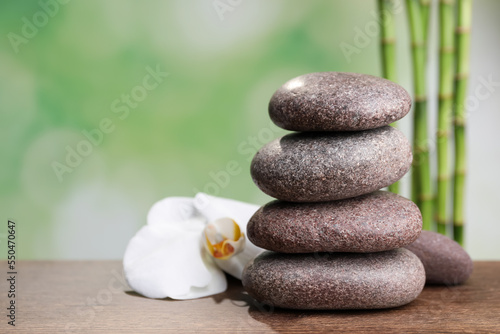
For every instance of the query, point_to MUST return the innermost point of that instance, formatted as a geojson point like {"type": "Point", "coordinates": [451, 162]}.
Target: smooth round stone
{"type": "Point", "coordinates": [371, 223]}
{"type": "Point", "coordinates": [315, 167]}
{"type": "Point", "coordinates": [444, 260]}
{"type": "Point", "coordinates": [333, 281]}
{"type": "Point", "coordinates": [336, 101]}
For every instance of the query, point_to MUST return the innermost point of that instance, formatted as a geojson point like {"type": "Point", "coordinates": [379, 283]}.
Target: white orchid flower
{"type": "Point", "coordinates": [185, 244]}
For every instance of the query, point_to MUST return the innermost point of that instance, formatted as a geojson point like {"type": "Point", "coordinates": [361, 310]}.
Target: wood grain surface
{"type": "Point", "coordinates": [92, 297]}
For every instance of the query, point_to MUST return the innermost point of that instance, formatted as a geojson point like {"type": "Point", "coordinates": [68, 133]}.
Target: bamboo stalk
{"type": "Point", "coordinates": [415, 180]}
{"type": "Point", "coordinates": [425, 8]}
{"type": "Point", "coordinates": [462, 34]}
{"type": "Point", "coordinates": [445, 109]}
{"type": "Point", "coordinates": [388, 50]}
{"type": "Point", "coordinates": [421, 165]}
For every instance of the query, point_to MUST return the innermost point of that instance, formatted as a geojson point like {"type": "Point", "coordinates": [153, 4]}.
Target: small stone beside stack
{"type": "Point", "coordinates": [445, 261]}
{"type": "Point", "coordinates": [334, 241]}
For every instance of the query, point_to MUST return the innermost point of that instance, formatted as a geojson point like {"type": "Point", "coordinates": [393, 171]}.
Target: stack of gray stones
{"type": "Point", "coordinates": [335, 240]}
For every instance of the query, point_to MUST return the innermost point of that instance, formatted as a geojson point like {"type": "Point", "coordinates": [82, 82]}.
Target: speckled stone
{"type": "Point", "coordinates": [315, 167]}
{"type": "Point", "coordinates": [371, 223]}
{"type": "Point", "coordinates": [331, 281]}
{"type": "Point", "coordinates": [445, 261]}
{"type": "Point", "coordinates": [336, 101]}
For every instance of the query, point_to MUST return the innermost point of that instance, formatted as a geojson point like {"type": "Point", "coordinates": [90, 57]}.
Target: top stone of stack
{"type": "Point", "coordinates": [337, 101]}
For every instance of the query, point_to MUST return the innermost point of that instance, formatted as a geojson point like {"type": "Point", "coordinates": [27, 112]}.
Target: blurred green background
{"type": "Point", "coordinates": [68, 67]}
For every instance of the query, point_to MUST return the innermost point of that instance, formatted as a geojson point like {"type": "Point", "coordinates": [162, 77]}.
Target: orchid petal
{"type": "Point", "coordinates": [172, 210]}
{"type": "Point", "coordinates": [214, 208]}
{"type": "Point", "coordinates": [165, 258]}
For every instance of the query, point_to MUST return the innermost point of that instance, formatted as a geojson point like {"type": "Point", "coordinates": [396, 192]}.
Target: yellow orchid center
{"type": "Point", "coordinates": [223, 238]}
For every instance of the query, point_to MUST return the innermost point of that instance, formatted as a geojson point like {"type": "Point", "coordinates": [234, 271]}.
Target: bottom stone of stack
{"type": "Point", "coordinates": [335, 281]}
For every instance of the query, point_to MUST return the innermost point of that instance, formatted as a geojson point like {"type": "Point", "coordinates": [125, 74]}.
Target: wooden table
{"type": "Point", "coordinates": [92, 297]}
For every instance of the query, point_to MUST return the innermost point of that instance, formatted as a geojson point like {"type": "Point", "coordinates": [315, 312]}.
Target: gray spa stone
{"type": "Point", "coordinates": [332, 281]}
{"type": "Point", "coordinates": [444, 260]}
{"type": "Point", "coordinates": [336, 101]}
{"type": "Point", "coordinates": [315, 167]}
{"type": "Point", "coordinates": [371, 223]}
